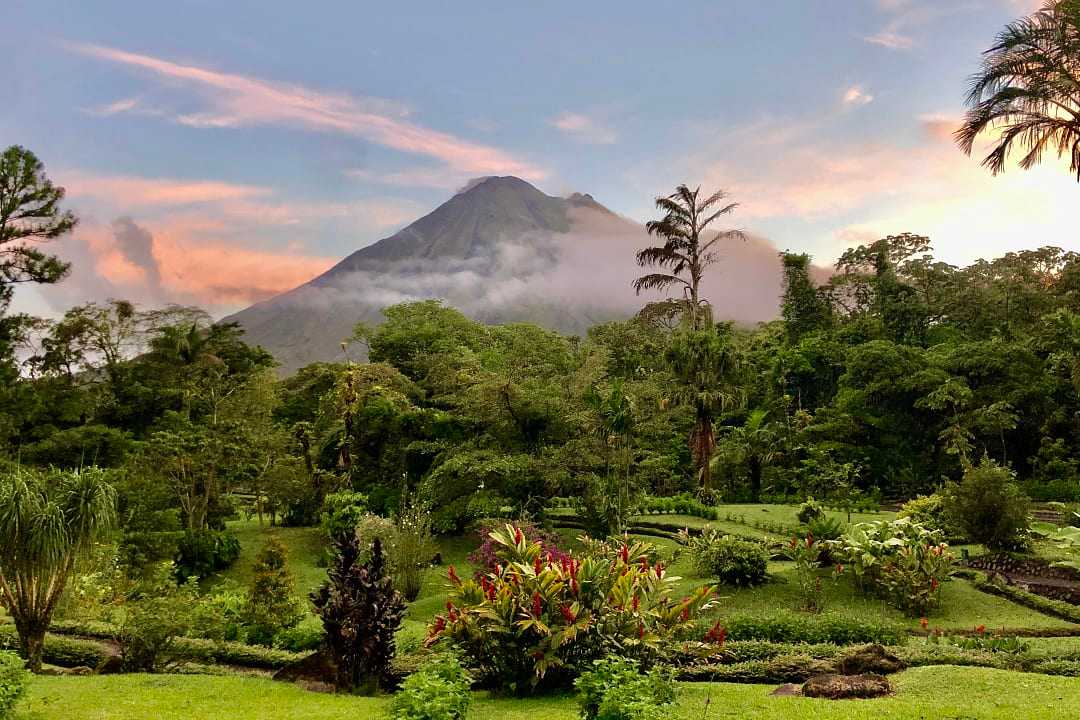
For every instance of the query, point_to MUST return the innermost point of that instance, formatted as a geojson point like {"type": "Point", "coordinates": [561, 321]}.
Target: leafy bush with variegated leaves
{"type": "Point", "coordinates": [539, 619]}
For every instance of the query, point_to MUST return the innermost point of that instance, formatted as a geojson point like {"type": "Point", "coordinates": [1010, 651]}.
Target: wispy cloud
{"type": "Point", "coordinates": [135, 191]}
{"type": "Point", "coordinates": [234, 100]}
{"type": "Point", "coordinates": [855, 96]}
{"type": "Point", "coordinates": [439, 178]}
{"type": "Point", "coordinates": [584, 128]}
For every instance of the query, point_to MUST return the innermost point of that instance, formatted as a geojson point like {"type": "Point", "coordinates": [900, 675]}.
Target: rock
{"type": "Point", "coordinates": [110, 665]}
{"type": "Point", "coordinates": [316, 668]}
{"type": "Point", "coordinates": [789, 690]}
{"type": "Point", "coordinates": [870, 659]}
{"type": "Point", "coordinates": [77, 670]}
{"type": "Point", "coordinates": [837, 687]}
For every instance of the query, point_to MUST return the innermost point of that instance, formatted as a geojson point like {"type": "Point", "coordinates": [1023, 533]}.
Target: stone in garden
{"type": "Point", "coordinates": [873, 659]}
{"type": "Point", "coordinates": [838, 687]}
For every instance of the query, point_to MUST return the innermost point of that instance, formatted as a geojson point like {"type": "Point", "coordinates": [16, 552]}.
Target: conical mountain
{"type": "Point", "coordinates": [500, 250]}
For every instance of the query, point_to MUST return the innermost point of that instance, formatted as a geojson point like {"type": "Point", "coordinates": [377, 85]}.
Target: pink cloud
{"type": "Point", "coordinates": [855, 96]}
{"type": "Point", "coordinates": [140, 191]}
{"type": "Point", "coordinates": [237, 100]}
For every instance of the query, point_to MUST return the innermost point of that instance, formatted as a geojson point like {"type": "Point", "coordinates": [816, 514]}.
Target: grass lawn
{"type": "Point", "coordinates": [305, 546]}
{"type": "Point", "coordinates": [939, 692]}
{"type": "Point", "coordinates": [786, 514]}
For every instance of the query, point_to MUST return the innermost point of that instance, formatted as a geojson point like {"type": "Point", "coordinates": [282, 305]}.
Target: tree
{"type": "Point", "coordinates": [613, 424]}
{"type": "Point", "coordinates": [685, 254]}
{"type": "Point", "coordinates": [271, 606]}
{"type": "Point", "coordinates": [758, 444]}
{"type": "Point", "coordinates": [803, 306]}
{"type": "Point", "coordinates": [46, 521]}
{"type": "Point", "coordinates": [29, 213]}
{"type": "Point", "coordinates": [360, 611]}
{"type": "Point", "coordinates": [1028, 88]}
{"type": "Point", "coordinates": [706, 363]}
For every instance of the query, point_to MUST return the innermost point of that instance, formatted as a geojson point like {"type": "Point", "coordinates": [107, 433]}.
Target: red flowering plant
{"type": "Point", "coordinates": [538, 618]}
{"type": "Point", "coordinates": [899, 560]}
{"type": "Point", "coordinates": [487, 555]}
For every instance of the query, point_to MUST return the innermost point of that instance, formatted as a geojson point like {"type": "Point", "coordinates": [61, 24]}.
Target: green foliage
{"type": "Point", "coordinates": [535, 619]}
{"type": "Point", "coordinates": [989, 507]}
{"type": "Point", "coordinates": [271, 606]}
{"type": "Point", "coordinates": [46, 522]}
{"type": "Point", "coordinates": [899, 560]}
{"type": "Point", "coordinates": [342, 512]}
{"type": "Point", "coordinates": [806, 552]}
{"type": "Point", "coordinates": [615, 688]}
{"type": "Point", "coordinates": [790, 627]}
{"type": "Point", "coordinates": [930, 511]}
{"type": "Point", "coordinates": [809, 511]}
{"type": "Point", "coordinates": [13, 682]}
{"type": "Point", "coordinates": [305, 636]}
{"type": "Point", "coordinates": [360, 611]}
{"type": "Point", "coordinates": [437, 691]}
{"type": "Point", "coordinates": [203, 552]}
{"type": "Point", "coordinates": [732, 561]}
{"type": "Point", "coordinates": [59, 650]}
{"type": "Point", "coordinates": [411, 549]}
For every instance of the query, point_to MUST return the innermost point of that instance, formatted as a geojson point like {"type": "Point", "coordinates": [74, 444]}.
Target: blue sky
{"type": "Point", "coordinates": [222, 151]}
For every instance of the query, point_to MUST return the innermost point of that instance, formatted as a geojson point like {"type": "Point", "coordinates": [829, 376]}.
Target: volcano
{"type": "Point", "coordinates": [500, 250]}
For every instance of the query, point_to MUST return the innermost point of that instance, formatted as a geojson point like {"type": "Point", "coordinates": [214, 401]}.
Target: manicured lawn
{"type": "Point", "coordinates": [938, 692]}
{"type": "Point", "coordinates": [305, 546]}
{"type": "Point", "coordinates": [786, 514]}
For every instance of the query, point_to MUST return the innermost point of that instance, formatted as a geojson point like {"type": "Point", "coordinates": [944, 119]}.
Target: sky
{"type": "Point", "coordinates": [219, 153]}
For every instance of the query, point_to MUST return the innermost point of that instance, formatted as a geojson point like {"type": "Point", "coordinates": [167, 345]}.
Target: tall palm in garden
{"type": "Point", "coordinates": [46, 521]}
{"type": "Point", "coordinates": [688, 249]}
{"type": "Point", "coordinates": [1028, 90]}
{"type": "Point", "coordinates": [614, 423]}
{"type": "Point", "coordinates": [706, 364]}
{"type": "Point", "coordinates": [759, 444]}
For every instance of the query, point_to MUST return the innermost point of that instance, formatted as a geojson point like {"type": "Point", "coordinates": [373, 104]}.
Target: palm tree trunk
{"type": "Point", "coordinates": [702, 442]}
{"type": "Point", "coordinates": [755, 478]}
{"type": "Point", "coordinates": [32, 644]}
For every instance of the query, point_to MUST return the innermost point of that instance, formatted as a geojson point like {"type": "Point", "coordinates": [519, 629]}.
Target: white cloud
{"type": "Point", "coordinates": [855, 96]}
{"type": "Point", "coordinates": [584, 128]}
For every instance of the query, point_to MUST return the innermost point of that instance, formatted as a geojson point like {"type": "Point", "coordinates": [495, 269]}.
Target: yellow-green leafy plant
{"type": "Point", "coordinates": [537, 618]}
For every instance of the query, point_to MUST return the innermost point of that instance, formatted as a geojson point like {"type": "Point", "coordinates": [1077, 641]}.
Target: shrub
{"type": "Point", "coordinates": [342, 512]}
{"type": "Point", "coordinates": [202, 552]}
{"type": "Point", "coordinates": [534, 619]}
{"type": "Point", "coordinates": [789, 627]}
{"type": "Point", "coordinates": [271, 606]}
{"type": "Point", "coordinates": [616, 689]}
{"type": "Point", "coordinates": [989, 507]}
{"type": "Point", "coordinates": [304, 636]}
{"type": "Point", "coordinates": [487, 555]}
{"type": "Point", "coordinates": [900, 561]}
{"type": "Point", "coordinates": [148, 636]}
{"type": "Point", "coordinates": [730, 560]}
{"type": "Point", "coordinates": [437, 691]}
{"type": "Point", "coordinates": [360, 611]}
{"type": "Point", "coordinates": [930, 511]}
{"type": "Point", "coordinates": [410, 553]}
{"type": "Point", "coordinates": [59, 650]}
{"type": "Point", "coordinates": [810, 510]}
{"type": "Point", "coordinates": [13, 681]}
{"type": "Point", "coordinates": [806, 552]}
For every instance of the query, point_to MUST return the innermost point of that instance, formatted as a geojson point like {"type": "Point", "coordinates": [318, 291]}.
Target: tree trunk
{"type": "Point", "coordinates": [755, 478]}
{"type": "Point", "coordinates": [702, 444]}
{"type": "Point", "coordinates": [32, 644]}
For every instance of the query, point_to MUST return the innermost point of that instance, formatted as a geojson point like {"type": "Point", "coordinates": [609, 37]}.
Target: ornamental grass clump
{"type": "Point", "coordinates": [901, 561]}
{"type": "Point", "coordinates": [537, 619]}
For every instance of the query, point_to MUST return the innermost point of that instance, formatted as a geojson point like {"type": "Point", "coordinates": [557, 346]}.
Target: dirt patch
{"type": "Point", "coordinates": [870, 660]}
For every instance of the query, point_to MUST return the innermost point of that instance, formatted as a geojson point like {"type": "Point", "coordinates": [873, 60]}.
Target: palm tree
{"type": "Point", "coordinates": [614, 422]}
{"type": "Point", "coordinates": [1029, 89]}
{"type": "Point", "coordinates": [706, 363]}
{"type": "Point", "coordinates": [758, 443]}
{"type": "Point", "coordinates": [45, 523]}
{"type": "Point", "coordinates": [684, 254]}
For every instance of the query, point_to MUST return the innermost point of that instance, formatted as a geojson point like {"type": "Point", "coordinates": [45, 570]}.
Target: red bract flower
{"type": "Point", "coordinates": [810, 540]}
{"type": "Point", "coordinates": [980, 629]}
{"type": "Point", "coordinates": [438, 626]}
{"type": "Point", "coordinates": [641, 631]}
{"type": "Point", "coordinates": [934, 584]}
{"type": "Point", "coordinates": [637, 603]}
{"type": "Point", "coordinates": [537, 565]}
{"type": "Point", "coordinates": [643, 564]}
{"type": "Point", "coordinates": [685, 613]}
{"type": "Point", "coordinates": [924, 622]}
{"type": "Point", "coordinates": [839, 569]}
{"type": "Point", "coordinates": [536, 608]}
{"type": "Point", "coordinates": [717, 634]}
{"type": "Point", "coordinates": [567, 613]}
{"type": "Point", "coordinates": [449, 605]}
{"type": "Point", "coordinates": [452, 574]}
{"type": "Point", "coordinates": [624, 553]}
{"type": "Point", "coordinates": [518, 536]}
{"type": "Point", "coordinates": [498, 570]}
{"type": "Point", "coordinates": [659, 569]}
{"type": "Point", "coordinates": [574, 587]}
